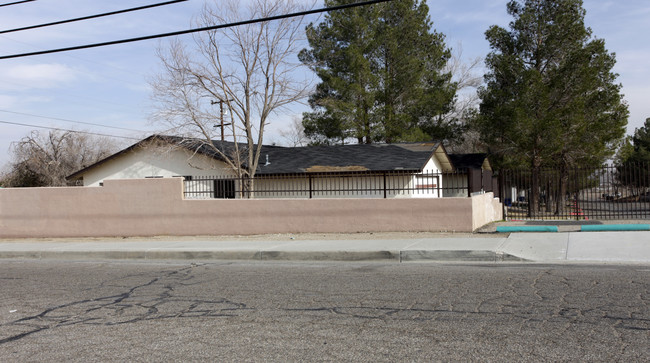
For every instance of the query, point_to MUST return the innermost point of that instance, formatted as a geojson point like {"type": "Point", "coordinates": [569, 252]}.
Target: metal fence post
{"type": "Point", "coordinates": [502, 194]}
{"type": "Point", "coordinates": [576, 177]}
{"type": "Point", "coordinates": [310, 187]}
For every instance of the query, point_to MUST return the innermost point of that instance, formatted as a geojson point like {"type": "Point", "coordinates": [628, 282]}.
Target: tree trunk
{"type": "Point", "coordinates": [246, 187]}
{"type": "Point", "coordinates": [533, 200]}
{"type": "Point", "coordinates": [367, 123]}
{"type": "Point", "coordinates": [549, 196]}
{"type": "Point", "coordinates": [564, 182]}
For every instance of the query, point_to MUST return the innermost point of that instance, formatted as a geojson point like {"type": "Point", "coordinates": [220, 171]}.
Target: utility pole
{"type": "Point", "coordinates": [220, 102]}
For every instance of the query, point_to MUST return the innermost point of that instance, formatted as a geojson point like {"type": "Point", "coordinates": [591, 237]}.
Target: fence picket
{"type": "Point", "coordinates": [386, 184]}
{"type": "Point", "coordinates": [606, 192]}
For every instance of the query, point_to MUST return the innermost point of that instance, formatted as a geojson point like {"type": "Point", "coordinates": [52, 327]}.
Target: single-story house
{"type": "Point", "coordinates": [474, 173]}
{"type": "Point", "coordinates": [409, 170]}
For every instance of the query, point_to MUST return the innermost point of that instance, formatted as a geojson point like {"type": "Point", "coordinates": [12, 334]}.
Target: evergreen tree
{"type": "Point", "coordinates": [550, 97]}
{"type": "Point", "coordinates": [625, 150]}
{"type": "Point", "coordinates": [634, 163]}
{"type": "Point", "coordinates": [641, 143]}
{"type": "Point", "coordinates": [344, 100]}
{"type": "Point", "coordinates": [382, 79]}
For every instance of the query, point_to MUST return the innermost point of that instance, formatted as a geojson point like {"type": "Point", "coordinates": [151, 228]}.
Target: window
{"type": "Point", "coordinates": [224, 189]}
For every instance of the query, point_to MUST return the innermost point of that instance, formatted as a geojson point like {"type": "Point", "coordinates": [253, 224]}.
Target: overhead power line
{"type": "Point", "coordinates": [16, 2]}
{"type": "Point", "coordinates": [188, 31]}
{"type": "Point", "coordinates": [103, 64]}
{"type": "Point", "coordinates": [91, 16]}
{"type": "Point", "coordinates": [73, 121]}
{"type": "Point", "coordinates": [68, 130]}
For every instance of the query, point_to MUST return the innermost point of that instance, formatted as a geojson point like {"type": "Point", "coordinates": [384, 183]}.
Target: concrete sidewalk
{"type": "Point", "coordinates": [598, 247]}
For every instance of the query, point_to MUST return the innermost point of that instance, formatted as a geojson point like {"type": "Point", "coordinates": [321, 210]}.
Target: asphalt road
{"type": "Point", "coordinates": [152, 312]}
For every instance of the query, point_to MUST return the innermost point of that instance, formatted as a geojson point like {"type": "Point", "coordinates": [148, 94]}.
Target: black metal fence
{"type": "Point", "coordinates": [606, 192]}
{"type": "Point", "coordinates": [392, 184]}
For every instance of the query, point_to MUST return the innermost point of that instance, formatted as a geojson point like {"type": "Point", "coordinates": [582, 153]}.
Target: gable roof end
{"type": "Point", "coordinates": [470, 161]}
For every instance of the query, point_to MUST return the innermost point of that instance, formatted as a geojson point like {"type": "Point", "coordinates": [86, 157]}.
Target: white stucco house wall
{"type": "Point", "coordinates": [154, 164]}
{"type": "Point", "coordinates": [151, 158]}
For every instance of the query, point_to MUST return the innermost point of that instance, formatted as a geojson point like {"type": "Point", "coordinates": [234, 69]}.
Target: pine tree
{"type": "Point", "coordinates": [550, 97]}
{"type": "Point", "coordinates": [641, 143]}
{"type": "Point", "coordinates": [634, 165]}
{"type": "Point", "coordinates": [381, 70]}
{"type": "Point", "coordinates": [343, 101]}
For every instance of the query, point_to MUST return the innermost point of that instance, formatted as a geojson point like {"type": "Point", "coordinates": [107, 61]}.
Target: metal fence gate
{"type": "Point", "coordinates": [606, 192]}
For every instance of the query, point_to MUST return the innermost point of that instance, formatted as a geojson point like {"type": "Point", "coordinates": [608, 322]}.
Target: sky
{"type": "Point", "coordinates": [106, 90]}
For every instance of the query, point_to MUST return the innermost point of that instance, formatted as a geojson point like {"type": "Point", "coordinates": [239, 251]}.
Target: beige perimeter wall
{"type": "Point", "coordinates": [150, 207]}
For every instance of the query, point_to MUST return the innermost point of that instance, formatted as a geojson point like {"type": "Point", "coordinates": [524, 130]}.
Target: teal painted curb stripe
{"type": "Point", "coordinates": [615, 227]}
{"type": "Point", "coordinates": [510, 229]}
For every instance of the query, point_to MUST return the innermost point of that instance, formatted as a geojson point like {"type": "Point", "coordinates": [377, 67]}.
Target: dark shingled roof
{"type": "Point", "coordinates": [292, 160]}
{"type": "Point", "coordinates": [360, 157]}
{"type": "Point", "coordinates": [354, 157]}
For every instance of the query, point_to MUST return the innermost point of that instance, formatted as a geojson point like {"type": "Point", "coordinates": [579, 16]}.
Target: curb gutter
{"type": "Point", "coordinates": [351, 256]}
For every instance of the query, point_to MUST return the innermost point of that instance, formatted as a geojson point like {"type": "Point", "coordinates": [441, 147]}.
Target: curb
{"type": "Point", "coordinates": [614, 227]}
{"type": "Point", "coordinates": [459, 256]}
{"type": "Point", "coordinates": [583, 228]}
{"type": "Point", "coordinates": [341, 256]}
{"type": "Point", "coordinates": [613, 244]}
{"type": "Point", "coordinates": [513, 229]}
{"type": "Point", "coordinates": [206, 255]}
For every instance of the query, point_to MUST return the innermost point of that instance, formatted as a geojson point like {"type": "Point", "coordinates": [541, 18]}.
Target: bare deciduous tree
{"type": "Point", "coordinates": [247, 72]}
{"type": "Point", "coordinates": [468, 77]}
{"type": "Point", "coordinates": [294, 133]}
{"type": "Point", "coordinates": [46, 160]}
